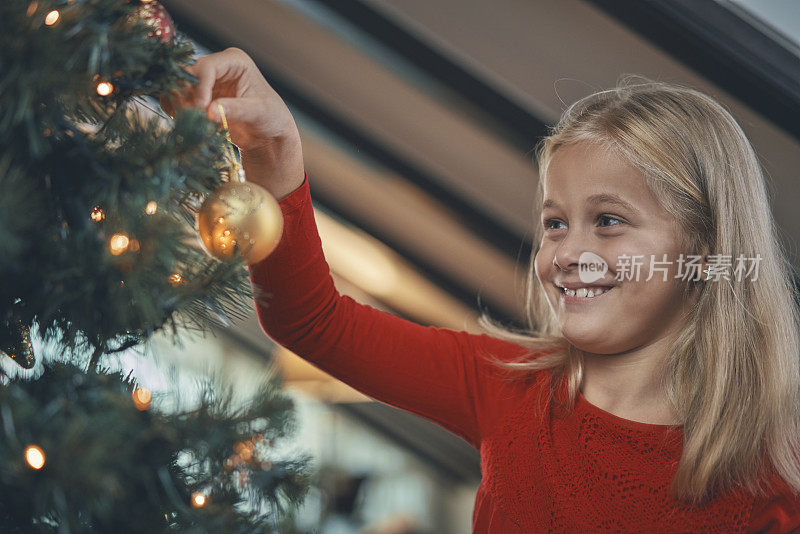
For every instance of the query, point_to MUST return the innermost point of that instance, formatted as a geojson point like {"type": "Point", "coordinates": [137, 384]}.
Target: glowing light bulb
{"type": "Point", "coordinates": [98, 214]}
{"type": "Point", "coordinates": [142, 398]}
{"type": "Point", "coordinates": [34, 455]}
{"type": "Point", "coordinates": [104, 88]}
{"type": "Point", "coordinates": [175, 279]}
{"type": "Point", "coordinates": [52, 17]}
{"type": "Point", "coordinates": [198, 499]}
{"type": "Point", "coordinates": [151, 207]}
{"type": "Point", "coordinates": [118, 244]}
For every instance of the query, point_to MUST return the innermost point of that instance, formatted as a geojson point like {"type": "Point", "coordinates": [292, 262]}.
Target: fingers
{"type": "Point", "coordinates": [236, 110]}
{"type": "Point", "coordinates": [197, 95]}
{"type": "Point", "coordinates": [177, 99]}
{"type": "Point", "coordinates": [209, 70]}
{"type": "Point", "coordinates": [205, 72]}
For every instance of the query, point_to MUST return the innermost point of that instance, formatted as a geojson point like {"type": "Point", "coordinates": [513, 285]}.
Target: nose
{"type": "Point", "coordinates": [568, 251]}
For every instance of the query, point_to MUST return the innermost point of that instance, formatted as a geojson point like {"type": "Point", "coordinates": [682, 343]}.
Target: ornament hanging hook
{"type": "Point", "coordinates": [237, 173]}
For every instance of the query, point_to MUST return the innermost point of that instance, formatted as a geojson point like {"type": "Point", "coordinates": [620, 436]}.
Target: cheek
{"type": "Point", "coordinates": [632, 259]}
{"type": "Point", "coordinates": [542, 263]}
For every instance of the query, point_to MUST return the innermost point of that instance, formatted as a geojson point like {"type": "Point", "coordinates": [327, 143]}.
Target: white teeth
{"type": "Point", "coordinates": [584, 292]}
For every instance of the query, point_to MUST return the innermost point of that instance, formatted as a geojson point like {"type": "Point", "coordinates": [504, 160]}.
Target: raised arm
{"type": "Point", "coordinates": [434, 372]}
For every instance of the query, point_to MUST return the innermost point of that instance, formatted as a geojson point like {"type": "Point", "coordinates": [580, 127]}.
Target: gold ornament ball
{"type": "Point", "coordinates": [240, 219]}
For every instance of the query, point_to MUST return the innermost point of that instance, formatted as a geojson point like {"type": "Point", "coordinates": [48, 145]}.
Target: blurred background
{"type": "Point", "coordinates": [418, 121]}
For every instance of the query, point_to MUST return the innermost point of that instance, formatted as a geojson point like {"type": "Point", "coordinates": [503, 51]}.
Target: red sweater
{"type": "Point", "coordinates": [584, 471]}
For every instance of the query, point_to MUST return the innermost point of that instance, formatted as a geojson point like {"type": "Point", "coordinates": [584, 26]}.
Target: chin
{"type": "Point", "coordinates": [592, 339]}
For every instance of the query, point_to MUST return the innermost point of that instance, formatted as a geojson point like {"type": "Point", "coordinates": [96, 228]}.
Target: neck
{"type": "Point", "coordinates": [628, 384]}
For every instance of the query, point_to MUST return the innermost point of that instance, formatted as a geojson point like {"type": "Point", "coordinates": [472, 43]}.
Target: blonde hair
{"type": "Point", "coordinates": [733, 376]}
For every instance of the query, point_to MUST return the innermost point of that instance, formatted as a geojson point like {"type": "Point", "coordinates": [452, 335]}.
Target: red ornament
{"type": "Point", "coordinates": [154, 15]}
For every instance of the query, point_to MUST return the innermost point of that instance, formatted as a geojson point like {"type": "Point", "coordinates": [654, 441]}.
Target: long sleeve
{"type": "Point", "coordinates": [430, 371]}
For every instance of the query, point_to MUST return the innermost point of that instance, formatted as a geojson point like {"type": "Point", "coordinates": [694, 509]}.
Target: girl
{"type": "Point", "coordinates": [644, 396]}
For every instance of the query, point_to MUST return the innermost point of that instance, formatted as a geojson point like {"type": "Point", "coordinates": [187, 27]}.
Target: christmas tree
{"type": "Point", "coordinates": [98, 252]}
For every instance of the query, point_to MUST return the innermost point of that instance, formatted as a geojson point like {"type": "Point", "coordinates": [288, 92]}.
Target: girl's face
{"type": "Point", "coordinates": [597, 208]}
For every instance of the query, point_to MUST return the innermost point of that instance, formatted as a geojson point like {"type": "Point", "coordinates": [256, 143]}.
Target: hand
{"type": "Point", "coordinates": [259, 121]}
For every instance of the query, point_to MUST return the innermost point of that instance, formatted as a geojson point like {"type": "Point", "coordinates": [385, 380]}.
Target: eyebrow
{"type": "Point", "coordinates": [600, 198]}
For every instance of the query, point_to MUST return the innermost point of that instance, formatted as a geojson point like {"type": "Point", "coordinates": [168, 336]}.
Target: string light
{"type": "Point", "coordinates": [142, 398]}
{"type": "Point", "coordinates": [151, 207]}
{"type": "Point", "coordinates": [34, 455]}
{"type": "Point", "coordinates": [105, 88]}
{"type": "Point", "coordinates": [175, 279]}
{"type": "Point", "coordinates": [118, 244]}
{"type": "Point", "coordinates": [244, 450]}
{"type": "Point", "coordinates": [52, 17]}
{"type": "Point", "coordinates": [98, 214]}
{"type": "Point", "coordinates": [198, 499]}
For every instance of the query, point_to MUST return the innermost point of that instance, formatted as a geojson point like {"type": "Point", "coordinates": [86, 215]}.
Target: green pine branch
{"type": "Point", "coordinates": [109, 465]}
{"type": "Point", "coordinates": [65, 150]}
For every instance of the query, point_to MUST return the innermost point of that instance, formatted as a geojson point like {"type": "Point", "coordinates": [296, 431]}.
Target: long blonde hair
{"type": "Point", "coordinates": [733, 376]}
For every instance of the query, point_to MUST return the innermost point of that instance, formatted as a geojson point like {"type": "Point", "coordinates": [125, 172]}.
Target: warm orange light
{"type": "Point", "coordinates": [198, 499]}
{"type": "Point", "coordinates": [244, 450]}
{"type": "Point", "coordinates": [51, 18]}
{"type": "Point", "coordinates": [34, 455]}
{"type": "Point", "coordinates": [104, 88]}
{"type": "Point", "coordinates": [175, 279]}
{"type": "Point", "coordinates": [118, 244]}
{"type": "Point", "coordinates": [32, 7]}
{"type": "Point", "coordinates": [151, 207]}
{"type": "Point", "coordinates": [142, 398]}
{"type": "Point", "coordinates": [98, 214]}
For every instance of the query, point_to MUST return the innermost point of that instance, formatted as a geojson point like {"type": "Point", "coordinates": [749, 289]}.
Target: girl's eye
{"type": "Point", "coordinates": [549, 222]}
{"type": "Point", "coordinates": [610, 218]}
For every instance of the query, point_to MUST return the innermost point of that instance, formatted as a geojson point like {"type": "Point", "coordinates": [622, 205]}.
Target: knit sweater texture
{"type": "Point", "coordinates": [544, 468]}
